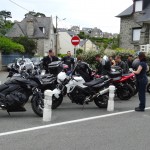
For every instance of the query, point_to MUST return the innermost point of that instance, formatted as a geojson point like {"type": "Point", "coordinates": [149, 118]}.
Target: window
{"type": "Point", "coordinates": [138, 5]}
{"type": "Point", "coordinates": [136, 34]}
{"type": "Point", "coordinates": [42, 29]}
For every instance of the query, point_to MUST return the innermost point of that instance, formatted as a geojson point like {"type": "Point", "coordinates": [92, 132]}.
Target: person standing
{"type": "Point", "coordinates": [48, 59]}
{"type": "Point", "coordinates": [68, 60]}
{"type": "Point", "coordinates": [141, 81]}
{"type": "Point", "coordinates": [112, 61]}
{"type": "Point", "coordinates": [130, 61]}
{"type": "Point", "coordinates": [121, 64]}
{"type": "Point", "coordinates": [99, 65]}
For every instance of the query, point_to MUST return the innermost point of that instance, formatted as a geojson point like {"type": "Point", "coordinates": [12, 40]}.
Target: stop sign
{"type": "Point", "coordinates": [75, 40]}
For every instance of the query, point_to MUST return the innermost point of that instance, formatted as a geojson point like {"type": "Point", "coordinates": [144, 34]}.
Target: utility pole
{"type": "Point", "coordinates": [56, 37]}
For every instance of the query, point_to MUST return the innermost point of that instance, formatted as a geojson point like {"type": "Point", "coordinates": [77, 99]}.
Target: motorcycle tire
{"type": "Point", "coordinates": [133, 84]}
{"type": "Point", "coordinates": [56, 102]}
{"type": "Point", "coordinates": [102, 101]}
{"type": "Point", "coordinates": [148, 88]}
{"type": "Point", "coordinates": [37, 106]}
{"type": "Point", "coordinates": [125, 92]}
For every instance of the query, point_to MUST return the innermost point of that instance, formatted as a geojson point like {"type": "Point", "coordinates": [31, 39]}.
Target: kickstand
{"type": "Point", "coordinates": [8, 113]}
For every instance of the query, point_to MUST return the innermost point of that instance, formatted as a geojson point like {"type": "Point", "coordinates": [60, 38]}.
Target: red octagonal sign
{"type": "Point", "coordinates": [75, 40]}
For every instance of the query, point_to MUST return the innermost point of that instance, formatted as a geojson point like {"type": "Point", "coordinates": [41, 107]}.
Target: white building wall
{"type": "Point", "coordinates": [64, 43]}
{"type": "Point", "coordinates": [88, 46]}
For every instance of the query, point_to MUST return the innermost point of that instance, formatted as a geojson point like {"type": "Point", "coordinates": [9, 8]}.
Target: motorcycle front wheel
{"type": "Point", "coordinates": [125, 92]}
{"type": "Point", "coordinates": [102, 101]}
{"type": "Point", "coordinates": [56, 102]}
{"type": "Point", "coordinates": [134, 86]}
{"type": "Point", "coordinates": [37, 105]}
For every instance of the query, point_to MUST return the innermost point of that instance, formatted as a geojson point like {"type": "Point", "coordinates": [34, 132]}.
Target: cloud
{"type": "Point", "coordinates": [89, 13]}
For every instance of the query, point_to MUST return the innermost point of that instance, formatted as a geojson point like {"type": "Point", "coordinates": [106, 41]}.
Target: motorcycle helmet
{"type": "Point", "coordinates": [61, 77]}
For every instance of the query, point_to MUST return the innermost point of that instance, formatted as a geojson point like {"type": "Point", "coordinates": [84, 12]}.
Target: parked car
{"type": "Point", "coordinates": [26, 62]}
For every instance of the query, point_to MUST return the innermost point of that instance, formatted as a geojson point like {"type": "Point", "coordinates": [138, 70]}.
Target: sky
{"type": "Point", "coordinates": [83, 13]}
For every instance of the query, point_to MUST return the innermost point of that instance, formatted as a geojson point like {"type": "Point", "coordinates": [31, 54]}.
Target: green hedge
{"type": "Point", "coordinates": [8, 46]}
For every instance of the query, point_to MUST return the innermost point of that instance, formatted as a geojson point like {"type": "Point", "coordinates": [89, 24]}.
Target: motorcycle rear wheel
{"type": "Point", "coordinates": [125, 92]}
{"type": "Point", "coordinates": [148, 88]}
{"type": "Point", "coordinates": [102, 101]}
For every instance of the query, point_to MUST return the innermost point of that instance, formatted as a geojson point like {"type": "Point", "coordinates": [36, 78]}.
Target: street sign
{"type": "Point", "coordinates": [75, 40]}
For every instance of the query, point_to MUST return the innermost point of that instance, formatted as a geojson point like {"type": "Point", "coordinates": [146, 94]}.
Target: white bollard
{"type": "Point", "coordinates": [110, 106]}
{"type": "Point", "coordinates": [0, 82]}
{"type": "Point", "coordinates": [47, 111]}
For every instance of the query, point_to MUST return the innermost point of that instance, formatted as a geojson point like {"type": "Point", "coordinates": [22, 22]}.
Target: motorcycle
{"type": "Point", "coordinates": [15, 93]}
{"type": "Point", "coordinates": [80, 92]}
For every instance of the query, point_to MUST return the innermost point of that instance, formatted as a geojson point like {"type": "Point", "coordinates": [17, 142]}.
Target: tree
{"type": "Point", "coordinates": [5, 14]}
{"type": "Point", "coordinates": [29, 44]}
{"type": "Point", "coordinates": [5, 25]}
{"type": "Point", "coordinates": [35, 14]}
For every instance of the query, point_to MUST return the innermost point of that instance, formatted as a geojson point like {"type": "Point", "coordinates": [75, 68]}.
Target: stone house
{"type": "Point", "coordinates": [87, 45]}
{"type": "Point", "coordinates": [40, 29]}
{"type": "Point", "coordinates": [93, 32]}
{"type": "Point", "coordinates": [135, 25]}
{"type": "Point", "coordinates": [75, 29]}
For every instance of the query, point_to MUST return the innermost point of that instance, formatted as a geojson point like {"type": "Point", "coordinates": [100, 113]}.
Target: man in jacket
{"type": "Point", "coordinates": [121, 64]}
{"type": "Point", "coordinates": [68, 60]}
{"type": "Point", "coordinates": [48, 59]}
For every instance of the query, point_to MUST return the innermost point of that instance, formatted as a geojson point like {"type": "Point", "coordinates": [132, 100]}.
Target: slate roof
{"type": "Point", "coordinates": [71, 33]}
{"type": "Point", "coordinates": [126, 12]}
{"type": "Point", "coordinates": [146, 15]}
{"type": "Point", "coordinates": [82, 42]}
{"type": "Point", "coordinates": [21, 27]}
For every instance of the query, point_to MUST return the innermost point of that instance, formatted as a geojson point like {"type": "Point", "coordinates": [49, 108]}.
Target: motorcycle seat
{"type": "Point", "coordinates": [101, 85]}
{"type": "Point", "coordinates": [127, 74]}
{"type": "Point", "coordinates": [94, 82]}
{"type": "Point", "coordinates": [116, 79]}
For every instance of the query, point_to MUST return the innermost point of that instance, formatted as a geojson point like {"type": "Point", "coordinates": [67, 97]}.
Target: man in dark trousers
{"type": "Point", "coordinates": [68, 60]}
{"type": "Point", "coordinates": [48, 59]}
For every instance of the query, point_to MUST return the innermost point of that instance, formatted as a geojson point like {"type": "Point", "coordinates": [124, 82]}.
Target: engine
{"type": "Point", "coordinates": [16, 98]}
{"type": "Point", "coordinates": [77, 96]}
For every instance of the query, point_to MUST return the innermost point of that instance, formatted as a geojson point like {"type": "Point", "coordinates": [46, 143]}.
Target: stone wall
{"type": "Point", "coordinates": [127, 24]}
{"type": "Point", "coordinates": [40, 47]}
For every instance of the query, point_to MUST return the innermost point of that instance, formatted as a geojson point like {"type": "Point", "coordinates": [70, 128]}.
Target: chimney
{"type": "Point", "coordinates": [30, 27]}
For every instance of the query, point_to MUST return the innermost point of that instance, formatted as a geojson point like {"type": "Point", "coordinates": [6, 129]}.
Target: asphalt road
{"type": "Point", "coordinates": [128, 131]}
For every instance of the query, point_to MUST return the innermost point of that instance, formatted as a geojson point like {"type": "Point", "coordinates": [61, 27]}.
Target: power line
{"type": "Point", "coordinates": [19, 5]}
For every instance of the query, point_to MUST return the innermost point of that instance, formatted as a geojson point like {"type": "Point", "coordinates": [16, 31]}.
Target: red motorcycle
{"type": "Point", "coordinates": [124, 90]}
{"type": "Point", "coordinates": [123, 83]}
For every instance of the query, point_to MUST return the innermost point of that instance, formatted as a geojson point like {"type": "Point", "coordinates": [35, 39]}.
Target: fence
{"type": "Point", "coordinates": [6, 59]}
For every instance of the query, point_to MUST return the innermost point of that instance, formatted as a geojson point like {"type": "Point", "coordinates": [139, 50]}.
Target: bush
{"type": "Point", "coordinates": [8, 46]}
{"type": "Point", "coordinates": [62, 55]}
{"type": "Point", "coordinates": [29, 44]}
{"type": "Point", "coordinates": [89, 57]}
{"type": "Point", "coordinates": [124, 53]}
{"type": "Point", "coordinates": [79, 51]}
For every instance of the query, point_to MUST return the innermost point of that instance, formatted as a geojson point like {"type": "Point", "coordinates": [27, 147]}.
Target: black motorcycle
{"type": "Point", "coordinates": [15, 93]}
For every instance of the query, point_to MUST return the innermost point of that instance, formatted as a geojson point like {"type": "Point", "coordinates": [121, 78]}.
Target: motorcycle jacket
{"type": "Point", "coordinates": [83, 70]}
